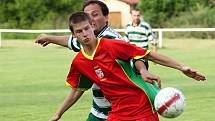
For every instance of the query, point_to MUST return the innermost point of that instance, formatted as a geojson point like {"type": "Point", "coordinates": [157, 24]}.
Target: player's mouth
{"type": "Point", "coordinates": [86, 40]}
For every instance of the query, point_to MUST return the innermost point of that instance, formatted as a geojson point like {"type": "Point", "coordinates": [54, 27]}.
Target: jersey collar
{"type": "Point", "coordinates": [92, 56]}
{"type": "Point", "coordinates": [137, 25]}
{"type": "Point", "coordinates": [100, 33]}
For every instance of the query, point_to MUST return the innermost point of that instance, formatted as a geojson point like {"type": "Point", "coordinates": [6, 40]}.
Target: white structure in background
{"type": "Point", "coordinates": [119, 10]}
{"type": "Point", "coordinates": [160, 32]}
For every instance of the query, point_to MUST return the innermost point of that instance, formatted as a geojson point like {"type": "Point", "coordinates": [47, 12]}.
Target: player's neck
{"type": "Point", "coordinates": [136, 24]}
{"type": "Point", "coordinates": [89, 48]}
{"type": "Point", "coordinates": [97, 33]}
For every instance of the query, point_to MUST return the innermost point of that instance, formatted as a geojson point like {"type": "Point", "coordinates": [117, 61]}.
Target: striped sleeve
{"type": "Point", "coordinates": [149, 32]}
{"type": "Point", "coordinates": [73, 44]}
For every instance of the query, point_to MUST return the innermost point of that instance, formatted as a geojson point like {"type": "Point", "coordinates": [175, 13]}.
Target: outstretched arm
{"type": "Point", "coordinates": [145, 74]}
{"type": "Point", "coordinates": [154, 47]}
{"type": "Point", "coordinates": [68, 102]}
{"type": "Point", "coordinates": [45, 39]}
{"type": "Point", "coordinates": [170, 62]}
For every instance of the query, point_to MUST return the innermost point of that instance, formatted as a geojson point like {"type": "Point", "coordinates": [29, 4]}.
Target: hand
{"type": "Point", "coordinates": [55, 118]}
{"type": "Point", "coordinates": [193, 74]}
{"type": "Point", "coordinates": [148, 77]}
{"type": "Point", "coordinates": [42, 39]}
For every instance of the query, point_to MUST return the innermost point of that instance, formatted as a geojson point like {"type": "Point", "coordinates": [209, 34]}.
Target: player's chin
{"type": "Point", "coordinates": [86, 41]}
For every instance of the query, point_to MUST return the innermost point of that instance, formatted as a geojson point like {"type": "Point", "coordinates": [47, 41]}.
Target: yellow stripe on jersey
{"type": "Point", "coordinates": [141, 56]}
{"type": "Point", "coordinates": [90, 57]}
{"type": "Point", "coordinates": [67, 84]}
{"type": "Point", "coordinates": [81, 89]}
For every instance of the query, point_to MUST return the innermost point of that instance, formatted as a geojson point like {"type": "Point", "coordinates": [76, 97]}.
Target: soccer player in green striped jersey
{"type": "Point", "coordinates": [139, 32]}
{"type": "Point", "coordinates": [98, 12]}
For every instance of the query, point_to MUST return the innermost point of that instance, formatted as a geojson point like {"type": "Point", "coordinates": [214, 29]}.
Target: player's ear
{"type": "Point", "coordinates": [71, 29]}
{"type": "Point", "coordinates": [73, 34]}
{"type": "Point", "coordinates": [93, 27]}
{"type": "Point", "coordinates": [106, 19]}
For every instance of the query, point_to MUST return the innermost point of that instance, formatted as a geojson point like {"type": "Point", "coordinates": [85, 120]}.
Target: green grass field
{"type": "Point", "coordinates": [32, 80]}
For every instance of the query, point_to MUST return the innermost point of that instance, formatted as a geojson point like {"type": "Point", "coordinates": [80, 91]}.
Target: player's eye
{"type": "Point", "coordinates": [86, 28]}
{"type": "Point", "coordinates": [94, 14]}
{"type": "Point", "coordinates": [78, 31]}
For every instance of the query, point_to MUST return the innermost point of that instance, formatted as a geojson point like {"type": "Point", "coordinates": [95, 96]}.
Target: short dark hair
{"type": "Point", "coordinates": [78, 17]}
{"type": "Point", "coordinates": [103, 6]}
{"type": "Point", "coordinates": [135, 9]}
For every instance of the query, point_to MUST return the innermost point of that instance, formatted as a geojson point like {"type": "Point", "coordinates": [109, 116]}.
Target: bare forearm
{"type": "Point", "coordinates": [164, 60]}
{"type": "Point", "coordinates": [139, 65]}
{"type": "Point", "coordinates": [146, 75]}
{"type": "Point", "coordinates": [59, 40]}
{"type": "Point", "coordinates": [167, 61]}
{"type": "Point", "coordinates": [44, 40]}
{"type": "Point", "coordinates": [154, 47]}
{"type": "Point", "coordinates": [69, 101]}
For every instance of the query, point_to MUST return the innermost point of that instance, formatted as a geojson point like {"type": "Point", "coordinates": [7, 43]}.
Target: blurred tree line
{"type": "Point", "coordinates": [37, 14]}
{"type": "Point", "coordinates": [180, 14]}
{"type": "Point", "coordinates": [53, 14]}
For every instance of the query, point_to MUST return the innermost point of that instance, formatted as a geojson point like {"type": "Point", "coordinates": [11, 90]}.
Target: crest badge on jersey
{"type": "Point", "coordinates": [99, 72]}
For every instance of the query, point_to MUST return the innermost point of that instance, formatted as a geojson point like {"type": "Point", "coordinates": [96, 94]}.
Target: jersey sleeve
{"type": "Point", "coordinates": [123, 50]}
{"type": "Point", "coordinates": [154, 39]}
{"type": "Point", "coordinates": [73, 44]}
{"type": "Point", "coordinates": [126, 35]}
{"type": "Point", "coordinates": [77, 80]}
{"type": "Point", "coordinates": [149, 32]}
{"type": "Point", "coordinates": [150, 35]}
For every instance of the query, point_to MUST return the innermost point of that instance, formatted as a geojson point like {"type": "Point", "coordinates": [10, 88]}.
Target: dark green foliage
{"type": "Point", "coordinates": [37, 14]}
{"type": "Point", "coordinates": [53, 14]}
{"type": "Point", "coordinates": [160, 12]}
{"type": "Point", "coordinates": [180, 14]}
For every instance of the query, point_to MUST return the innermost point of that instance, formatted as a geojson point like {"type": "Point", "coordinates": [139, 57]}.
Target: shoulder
{"type": "Point", "coordinates": [108, 42]}
{"type": "Point", "coordinates": [105, 40]}
{"type": "Point", "coordinates": [129, 24]}
{"type": "Point", "coordinates": [73, 44]}
{"type": "Point", "coordinates": [145, 25]}
{"type": "Point", "coordinates": [111, 34]}
{"type": "Point", "coordinates": [111, 43]}
{"type": "Point", "coordinates": [77, 58]}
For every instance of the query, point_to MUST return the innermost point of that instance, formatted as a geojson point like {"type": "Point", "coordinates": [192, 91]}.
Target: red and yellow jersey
{"type": "Point", "coordinates": [128, 100]}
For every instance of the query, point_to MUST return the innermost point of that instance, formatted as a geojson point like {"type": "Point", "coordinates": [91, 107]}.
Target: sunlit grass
{"type": "Point", "coordinates": [32, 80]}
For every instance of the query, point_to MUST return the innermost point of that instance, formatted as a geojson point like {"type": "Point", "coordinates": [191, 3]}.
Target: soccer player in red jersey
{"type": "Point", "coordinates": [97, 61]}
{"type": "Point", "coordinates": [98, 13]}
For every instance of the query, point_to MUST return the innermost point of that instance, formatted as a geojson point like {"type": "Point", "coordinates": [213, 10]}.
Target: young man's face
{"type": "Point", "coordinates": [84, 32]}
{"type": "Point", "coordinates": [98, 19]}
{"type": "Point", "coordinates": [135, 15]}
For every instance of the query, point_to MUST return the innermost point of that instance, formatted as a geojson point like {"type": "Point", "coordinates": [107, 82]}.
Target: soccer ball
{"type": "Point", "coordinates": [169, 102]}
